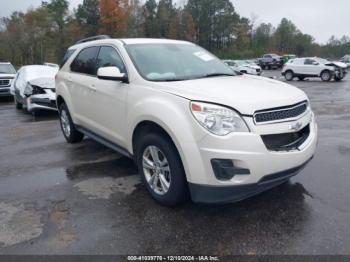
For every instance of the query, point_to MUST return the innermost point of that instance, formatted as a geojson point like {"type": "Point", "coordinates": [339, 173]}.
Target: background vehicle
{"type": "Point", "coordinates": [346, 60]}
{"type": "Point", "coordinates": [244, 67]}
{"type": "Point", "coordinates": [7, 74]}
{"type": "Point", "coordinates": [52, 65]}
{"type": "Point", "coordinates": [286, 58]}
{"type": "Point", "coordinates": [34, 88]}
{"type": "Point", "coordinates": [314, 67]}
{"type": "Point", "coordinates": [270, 61]}
{"type": "Point", "coordinates": [189, 121]}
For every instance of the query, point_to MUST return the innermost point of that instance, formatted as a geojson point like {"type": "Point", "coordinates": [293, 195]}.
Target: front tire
{"type": "Point", "coordinates": [326, 76]}
{"type": "Point", "coordinates": [18, 105]}
{"type": "Point", "coordinates": [289, 75]}
{"type": "Point", "coordinates": [71, 134]}
{"type": "Point", "coordinates": [161, 169]}
{"type": "Point", "coordinates": [338, 79]}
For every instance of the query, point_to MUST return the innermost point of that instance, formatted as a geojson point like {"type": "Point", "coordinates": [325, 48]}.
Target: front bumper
{"type": "Point", "coordinates": [41, 102]}
{"type": "Point", "coordinates": [247, 151]}
{"type": "Point", "coordinates": [5, 91]}
{"type": "Point", "coordinates": [231, 194]}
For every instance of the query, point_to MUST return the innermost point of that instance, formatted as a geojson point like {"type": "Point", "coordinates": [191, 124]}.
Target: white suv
{"type": "Point", "coordinates": [7, 74]}
{"type": "Point", "coordinates": [314, 67]}
{"type": "Point", "coordinates": [193, 127]}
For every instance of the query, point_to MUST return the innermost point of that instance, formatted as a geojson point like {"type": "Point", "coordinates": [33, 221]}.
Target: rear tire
{"type": "Point", "coordinates": [163, 175]}
{"type": "Point", "coordinates": [71, 134]}
{"type": "Point", "coordinates": [289, 75]}
{"type": "Point", "coordinates": [326, 76]}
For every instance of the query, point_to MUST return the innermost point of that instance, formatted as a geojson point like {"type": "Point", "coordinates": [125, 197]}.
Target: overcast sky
{"type": "Point", "coordinates": [319, 18]}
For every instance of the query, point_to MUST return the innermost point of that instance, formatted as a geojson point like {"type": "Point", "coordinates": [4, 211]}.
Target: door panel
{"type": "Point", "coordinates": [108, 105]}
{"type": "Point", "coordinates": [82, 79]}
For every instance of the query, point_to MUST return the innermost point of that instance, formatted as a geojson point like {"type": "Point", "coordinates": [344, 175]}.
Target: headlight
{"type": "Point", "coordinates": [28, 90]}
{"type": "Point", "coordinates": [33, 90]}
{"type": "Point", "coordinates": [218, 120]}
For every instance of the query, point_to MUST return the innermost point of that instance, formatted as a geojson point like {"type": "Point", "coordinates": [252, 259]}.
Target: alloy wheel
{"type": "Point", "coordinates": [65, 123]}
{"type": "Point", "coordinates": [156, 169]}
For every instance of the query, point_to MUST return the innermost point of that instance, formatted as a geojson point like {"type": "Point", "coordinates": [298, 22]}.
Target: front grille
{"type": "Point", "coordinates": [287, 141]}
{"type": "Point", "coordinates": [280, 114]}
{"type": "Point", "coordinates": [4, 82]}
{"type": "Point", "coordinates": [4, 90]}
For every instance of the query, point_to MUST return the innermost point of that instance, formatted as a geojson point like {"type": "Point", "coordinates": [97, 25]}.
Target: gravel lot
{"type": "Point", "coordinates": [57, 198]}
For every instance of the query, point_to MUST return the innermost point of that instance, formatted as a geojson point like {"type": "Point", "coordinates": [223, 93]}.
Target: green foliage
{"type": "Point", "coordinates": [43, 34]}
{"type": "Point", "coordinates": [88, 16]}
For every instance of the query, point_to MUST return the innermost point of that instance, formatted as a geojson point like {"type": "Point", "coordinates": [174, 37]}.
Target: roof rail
{"type": "Point", "coordinates": [93, 38]}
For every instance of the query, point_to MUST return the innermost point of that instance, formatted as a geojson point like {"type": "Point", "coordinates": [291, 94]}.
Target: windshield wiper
{"type": "Point", "coordinates": [217, 74]}
{"type": "Point", "coordinates": [171, 80]}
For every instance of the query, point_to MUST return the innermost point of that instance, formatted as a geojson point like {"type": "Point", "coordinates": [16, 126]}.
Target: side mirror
{"type": "Point", "coordinates": [315, 63]}
{"type": "Point", "coordinates": [111, 73]}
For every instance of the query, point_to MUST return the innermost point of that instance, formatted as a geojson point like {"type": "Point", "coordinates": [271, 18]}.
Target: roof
{"type": "Point", "coordinates": [131, 41]}
{"type": "Point", "coordinates": [5, 63]}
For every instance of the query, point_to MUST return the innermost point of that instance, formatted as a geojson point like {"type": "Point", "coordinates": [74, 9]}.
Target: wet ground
{"type": "Point", "coordinates": [57, 198]}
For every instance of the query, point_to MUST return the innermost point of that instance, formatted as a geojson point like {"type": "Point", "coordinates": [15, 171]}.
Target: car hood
{"type": "Point", "coordinates": [246, 94]}
{"type": "Point", "coordinates": [338, 64]}
{"type": "Point", "coordinates": [7, 76]}
{"type": "Point", "coordinates": [46, 83]}
{"type": "Point", "coordinates": [253, 66]}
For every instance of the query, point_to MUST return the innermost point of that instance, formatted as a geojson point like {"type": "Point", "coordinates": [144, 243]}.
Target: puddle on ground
{"type": "Point", "coordinates": [18, 223]}
{"type": "Point", "coordinates": [344, 150]}
{"type": "Point", "coordinates": [105, 187]}
{"type": "Point", "coordinates": [109, 165]}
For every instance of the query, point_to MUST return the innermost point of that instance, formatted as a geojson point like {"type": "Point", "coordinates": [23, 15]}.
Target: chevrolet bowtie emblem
{"type": "Point", "coordinates": [296, 126]}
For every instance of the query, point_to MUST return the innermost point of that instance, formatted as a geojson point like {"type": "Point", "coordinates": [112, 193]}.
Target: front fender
{"type": "Point", "coordinates": [62, 90]}
{"type": "Point", "coordinates": [172, 113]}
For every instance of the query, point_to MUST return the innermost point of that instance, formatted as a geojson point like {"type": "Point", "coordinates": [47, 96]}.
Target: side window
{"type": "Point", "coordinates": [108, 56]}
{"type": "Point", "coordinates": [85, 62]}
{"type": "Point", "coordinates": [309, 62]}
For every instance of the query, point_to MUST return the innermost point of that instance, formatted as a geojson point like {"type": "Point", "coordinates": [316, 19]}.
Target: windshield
{"type": "Point", "coordinates": [321, 60]}
{"type": "Point", "coordinates": [241, 63]}
{"type": "Point", "coordinates": [175, 62]}
{"type": "Point", "coordinates": [7, 69]}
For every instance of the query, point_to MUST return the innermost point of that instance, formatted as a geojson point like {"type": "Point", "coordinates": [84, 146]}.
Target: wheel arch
{"type": "Point", "coordinates": [326, 70]}
{"type": "Point", "coordinates": [59, 101]}
{"type": "Point", "coordinates": [151, 126]}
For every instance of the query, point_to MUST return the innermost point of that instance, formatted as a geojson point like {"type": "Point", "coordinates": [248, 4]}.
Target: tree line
{"type": "Point", "coordinates": [43, 34]}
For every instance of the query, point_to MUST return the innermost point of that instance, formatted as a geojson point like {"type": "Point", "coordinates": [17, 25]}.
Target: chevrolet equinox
{"type": "Point", "coordinates": [194, 126]}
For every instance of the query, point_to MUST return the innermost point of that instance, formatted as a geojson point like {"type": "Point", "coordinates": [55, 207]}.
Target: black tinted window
{"type": "Point", "coordinates": [85, 62]}
{"type": "Point", "coordinates": [108, 56]}
{"type": "Point", "coordinates": [309, 62]}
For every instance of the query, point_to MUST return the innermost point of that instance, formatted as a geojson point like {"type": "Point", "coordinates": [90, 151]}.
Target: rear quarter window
{"type": "Point", "coordinates": [67, 55]}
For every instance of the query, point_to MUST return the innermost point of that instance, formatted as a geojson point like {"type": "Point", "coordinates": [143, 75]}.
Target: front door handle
{"type": "Point", "coordinates": [92, 89]}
